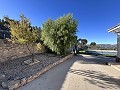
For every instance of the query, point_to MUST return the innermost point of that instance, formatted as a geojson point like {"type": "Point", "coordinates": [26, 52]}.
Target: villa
{"type": "Point", "coordinates": [116, 30]}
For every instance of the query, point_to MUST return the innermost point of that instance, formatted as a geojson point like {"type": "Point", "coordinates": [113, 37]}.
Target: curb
{"type": "Point", "coordinates": [115, 67]}
{"type": "Point", "coordinates": [13, 85]}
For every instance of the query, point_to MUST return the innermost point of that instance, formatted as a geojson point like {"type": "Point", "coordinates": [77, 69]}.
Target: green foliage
{"type": "Point", "coordinates": [84, 42]}
{"type": "Point", "coordinates": [92, 45]}
{"type": "Point", "coordinates": [40, 47]}
{"type": "Point", "coordinates": [22, 32]}
{"type": "Point", "coordinates": [59, 35]}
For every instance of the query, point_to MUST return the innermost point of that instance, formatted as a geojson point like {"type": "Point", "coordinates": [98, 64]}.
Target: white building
{"type": "Point", "coordinates": [116, 30]}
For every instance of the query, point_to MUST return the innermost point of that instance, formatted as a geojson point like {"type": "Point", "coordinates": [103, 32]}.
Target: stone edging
{"type": "Point", "coordinates": [12, 85]}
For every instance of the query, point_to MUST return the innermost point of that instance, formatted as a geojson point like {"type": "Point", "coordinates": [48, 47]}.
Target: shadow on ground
{"type": "Point", "coordinates": [98, 78]}
{"type": "Point", "coordinates": [54, 78]}
{"type": "Point", "coordinates": [90, 59]}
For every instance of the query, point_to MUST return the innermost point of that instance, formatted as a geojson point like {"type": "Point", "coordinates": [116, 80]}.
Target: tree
{"type": "Point", "coordinates": [59, 35]}
{"type": "Point", "coordinates": [22, 32]}
{"type": "Point", "coordinates": [92, 45]}
{"type": "Point", "coordinates": [77, 43]}
{"type": "Point", "coordinates": [82, 44]}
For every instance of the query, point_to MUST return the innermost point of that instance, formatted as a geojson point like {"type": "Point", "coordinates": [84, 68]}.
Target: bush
{"type": "Point", "coordinates": [59, 35]}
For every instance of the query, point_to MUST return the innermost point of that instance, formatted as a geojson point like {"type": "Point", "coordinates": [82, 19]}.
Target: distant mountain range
{"type": "Point", "coordinates": [107, 46]}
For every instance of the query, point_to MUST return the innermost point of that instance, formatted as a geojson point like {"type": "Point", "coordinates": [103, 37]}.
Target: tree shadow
{"type": "Point", "coordinates": [95, 59]}
{"type": "Point", "coordinates": [99, 78]}
{"type": "Point", "coordinates": [54, 78]}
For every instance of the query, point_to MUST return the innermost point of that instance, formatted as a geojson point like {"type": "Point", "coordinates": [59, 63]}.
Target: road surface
{"type": "Point", "coordinates": [82, 72]}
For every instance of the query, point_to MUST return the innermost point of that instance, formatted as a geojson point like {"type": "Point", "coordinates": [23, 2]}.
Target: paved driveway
{"type": "Point", "coordinates": [82, 72]}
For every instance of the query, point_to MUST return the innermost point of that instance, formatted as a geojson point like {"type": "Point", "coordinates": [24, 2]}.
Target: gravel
{"type": "Point", "coordinates": [16, 69]}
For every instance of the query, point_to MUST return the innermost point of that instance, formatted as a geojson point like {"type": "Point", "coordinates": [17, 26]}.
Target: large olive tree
{"type": "Point", "coordinates": [59, 34]}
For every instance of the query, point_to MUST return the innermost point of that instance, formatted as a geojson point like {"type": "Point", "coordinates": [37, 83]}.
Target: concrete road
{"type": "Point", "coordinates": [82, 72]}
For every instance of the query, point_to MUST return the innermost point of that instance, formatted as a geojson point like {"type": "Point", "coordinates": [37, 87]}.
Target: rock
{"type": "Point", "coordinates": [29, 62]}
{"type": "Point", "coordinates": [35, 61]}
{"type": "Point", "coordinates": [16, 78]}
{"type": "Point", "coordinates": [23, 81]}
{"type": "Point", "coordinates": [11, 78]}
{"type": "Point", "coordinates": [4, 85]}
{"type": "Point", "coordinates": [13, 84]}
{"type": "Point", "coordinates": [2, 76]}
{"type": "Point", "coordinates": [107, 63]}
{"type": "Point", "coordinates": [21, 52]}
{"type": "Point", "coordinates": [22, 68]}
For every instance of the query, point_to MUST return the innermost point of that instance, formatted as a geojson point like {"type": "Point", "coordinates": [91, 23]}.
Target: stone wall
{"type": "Point", "coordinates": [10, 51]}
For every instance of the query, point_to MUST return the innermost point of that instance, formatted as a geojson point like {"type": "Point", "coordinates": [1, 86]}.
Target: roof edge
{"type": "Point", "coordinates": [114, 29]}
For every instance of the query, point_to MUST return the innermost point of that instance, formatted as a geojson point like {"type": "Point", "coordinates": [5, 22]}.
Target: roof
{"type": "Point", "coordinates": [115, 29]}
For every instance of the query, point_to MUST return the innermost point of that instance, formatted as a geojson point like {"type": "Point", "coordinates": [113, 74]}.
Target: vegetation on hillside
{"type": "Point", "coordinates": [57, 35]}
{"type": "Point", "coordinates": [22, 32]}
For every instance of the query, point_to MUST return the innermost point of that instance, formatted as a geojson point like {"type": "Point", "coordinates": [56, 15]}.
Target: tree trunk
{"type": "Point", "coordinates": [32, 53]}
{"type": "Point", "coordinates": [32, 57]}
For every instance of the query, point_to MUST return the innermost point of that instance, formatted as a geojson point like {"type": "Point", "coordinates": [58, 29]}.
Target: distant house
{"type": "Point", "coordinates": [116, 30]}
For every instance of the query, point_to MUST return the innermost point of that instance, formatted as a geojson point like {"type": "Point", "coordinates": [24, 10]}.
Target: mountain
{"type": "Point", "coordinates": [107, 46]}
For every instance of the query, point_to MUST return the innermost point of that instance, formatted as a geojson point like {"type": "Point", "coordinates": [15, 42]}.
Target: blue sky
{"type": "Point", "coordinates": [94, 16]}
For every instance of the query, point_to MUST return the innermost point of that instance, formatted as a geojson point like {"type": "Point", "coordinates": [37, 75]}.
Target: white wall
{"type": "Point", "coordinates": [118, 45]}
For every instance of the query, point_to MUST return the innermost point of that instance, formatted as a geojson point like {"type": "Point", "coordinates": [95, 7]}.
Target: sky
{"type": "Point", "coordinates": [94, 17]}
